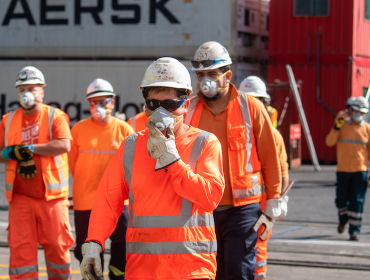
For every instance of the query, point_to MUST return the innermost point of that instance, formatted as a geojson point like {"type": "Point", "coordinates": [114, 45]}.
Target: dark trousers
{"type": "Point", "coordinates": [117, 262]}
{"type": "Point", "coordinates": [351, 193]}
{"type": "Point", "coordinates": [236, 242]}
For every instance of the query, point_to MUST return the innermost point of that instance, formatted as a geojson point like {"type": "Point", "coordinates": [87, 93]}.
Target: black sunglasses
{"type": "Point", "coordinates": [205, 63]}
{"type": "Point", "coordinates": [168, 104]}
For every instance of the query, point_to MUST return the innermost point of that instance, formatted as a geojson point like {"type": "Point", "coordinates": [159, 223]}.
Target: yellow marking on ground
{"type": "Point", "coordinates": [4, 265]}
{"type": "Point", "coordinates": [41, 274]}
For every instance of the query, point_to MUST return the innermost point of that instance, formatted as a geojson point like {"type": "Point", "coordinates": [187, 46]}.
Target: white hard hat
{"type": "Point", "coordinates": [253, 85]}
{"type": "Point", "coordinates": [360, 104]}
{"type": "Point", "coordinates": [30, 75]}
{"type": "Point", "coordinates": [167, 72]}
{"type": "Point", "coordinates": [214, 52]}
{"type": "Point", "coordinates": [350, 101]}
{"type": "Point", "coordinates": [99, 87]}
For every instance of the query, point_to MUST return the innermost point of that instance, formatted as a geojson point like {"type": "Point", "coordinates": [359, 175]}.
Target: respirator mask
{"type": "Point", "coordinates": [357, 117]}
{"type": "Point", "coordinates": [162, 118]}
{"type": "Point", "coordinates": [100, 113]}
{"type": "Point", "coordinates": [209, 87]}
{"type": "Point", "coordinates": [28, 100]}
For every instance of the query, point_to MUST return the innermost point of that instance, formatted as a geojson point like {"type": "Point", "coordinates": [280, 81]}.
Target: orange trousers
{"type": "Point", "coordinates": [33, 221]}
{"type": "Point", "coordinates": [261, 265]}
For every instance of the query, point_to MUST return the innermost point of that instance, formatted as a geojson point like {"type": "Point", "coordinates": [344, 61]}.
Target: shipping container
{"type": "Point", "coordinates": [67, 82]}
{"type": "Point", "coordinates": [325, 42]}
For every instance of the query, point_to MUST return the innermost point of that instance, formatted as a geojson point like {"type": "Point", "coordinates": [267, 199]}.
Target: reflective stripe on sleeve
{"type": "Point", "coordinates": [23, 269]}
{"type": "Point", "coordinates": [248, 129]}
{"type": "Point", "coordinates": [352, 141]}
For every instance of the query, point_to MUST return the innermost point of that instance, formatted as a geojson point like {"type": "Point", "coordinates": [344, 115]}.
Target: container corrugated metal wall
{"type": "Point", "coordinates": [293, 40]}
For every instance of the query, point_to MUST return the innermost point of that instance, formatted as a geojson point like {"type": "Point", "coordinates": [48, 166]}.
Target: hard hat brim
{"type": "Point", "coordinates": [101, 93]}
{"type": "Point", "coordinates": [362, 110]}
{"type": "Point", "coordinates": [257, 94]}
{"type": "Point", "coordinates": [166, 84]}
{"type": "Point", "coordinates": [212, 67]}
{"type": "Point", "coordinates": [29, 82]}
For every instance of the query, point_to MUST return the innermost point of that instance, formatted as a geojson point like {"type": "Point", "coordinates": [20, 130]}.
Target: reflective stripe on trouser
{"type": "Point", "coordinates": [33, 221]}
{"type": "Point", "coordinates": [350, 198]}
{"type": "Point", "coordinates": [236, 242]}
{"type": "Point", "coordinates": [184, 220]}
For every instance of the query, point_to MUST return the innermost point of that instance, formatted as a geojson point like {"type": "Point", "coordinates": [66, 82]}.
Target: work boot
{"type": "Point", "coordinates": [341, 228]}
{"type": "Point", "coordinates": [354, 237]}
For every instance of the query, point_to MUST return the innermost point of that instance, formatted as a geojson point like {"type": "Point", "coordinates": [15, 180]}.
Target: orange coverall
{"type": "Point", "coordinates": [171, 229]}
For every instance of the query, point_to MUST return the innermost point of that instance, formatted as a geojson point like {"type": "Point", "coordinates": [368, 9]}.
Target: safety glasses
{"type": "Point", "coordinates": [103, 102]}
{"type": "Point", "coordinates": [168, 104]}
{"type": "Point", "coordinates": [205, 63]}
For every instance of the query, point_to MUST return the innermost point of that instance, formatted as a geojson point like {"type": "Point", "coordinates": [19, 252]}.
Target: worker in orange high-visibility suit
{"type": "Point", "coordinates": [172, 175]}
{"type": "Point", "coordinates": [253, 85]}
{"type": "Point", "coordinates": [35, 140]}
{"type": "Point", "coordinates": [352, 137]}
{"type": "Point", "coordinates": [138, 122]}
{"type": "Point", "coordinates": [95, 141]}
{"type": "Point", "coordinates": [242, 125]}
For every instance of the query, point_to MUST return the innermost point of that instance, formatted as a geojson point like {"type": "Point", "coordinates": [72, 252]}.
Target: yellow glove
{"type": "Point", "coordinates": [339, 123]}
{"type": "Point", "coordinates": [27, 168]}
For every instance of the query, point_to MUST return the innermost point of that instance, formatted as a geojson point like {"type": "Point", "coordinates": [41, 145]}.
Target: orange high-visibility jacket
{"type": "Point", "coordinates": [138, 122]}
{"type": "Point", "coordinates": [54, 168]}
{"type": "Point", "coordinates": [245, 166]}
{"type": "Point", "coordinates": [170, 234]}
{"type": "Point", "coordinates": [273, 113]}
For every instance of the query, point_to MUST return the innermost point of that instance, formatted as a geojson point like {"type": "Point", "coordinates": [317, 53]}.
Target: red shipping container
{"type": "Point", "coordinates": [329, 51]}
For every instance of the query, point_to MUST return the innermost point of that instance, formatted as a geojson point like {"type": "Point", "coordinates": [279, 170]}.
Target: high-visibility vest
{"type": "Point", "coordinates": [138, 122]}
{"type": "Point", "coordinates": [189, 236]}
{"type": "Point", "coordinates": [54, 168]}
{"type": "Point", "coordinates": [245, 166]}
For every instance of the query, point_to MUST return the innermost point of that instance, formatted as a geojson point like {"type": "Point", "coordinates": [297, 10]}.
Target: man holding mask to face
{"type": "Point", "coordinates": [172, 175]}
{"type": "Point", "coordinates": [352, 138]}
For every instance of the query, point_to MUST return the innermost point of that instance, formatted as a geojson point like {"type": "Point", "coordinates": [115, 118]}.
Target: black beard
{"type": "Point", "coordinates": [28, 109]}
{"type": "Point", "coordinates": [214, 98]}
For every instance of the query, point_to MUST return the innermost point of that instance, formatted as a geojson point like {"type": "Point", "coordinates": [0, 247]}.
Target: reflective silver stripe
{"type": "Point", "coordinates": [162, 248]}
{"type": "Point", "coordinates": [58, 266]}
{"type": "Point", "coordinates": [255, 190]}
{"type": "Point", "coordinates": [352, 141]}
{"type": "Point", "coordinates": [51, 117]}
{"type": "Point", "coordinates": [190, 113]}
{"type": "Point", "coordinates": [59, 185]}
{"type": "Point", "coordinates": [128, 160]}
{"type": "Point", "coordinates": [248, 128]}
{"type": "Point", "coordinates": [133, 122]}
{"type": "Point", "coordinates": [23, 269]}
{"type": "Point", "coordinates": [58, 161]}
{"type": "Point", "coordinates": [354, 214]}
{"type": "Point", "coordinates": [261, 264]}
{"type": "Point", "coordinates": [354, 222]}
{"type": "Point", "coordinates": [99, 152]}
{"type": "Point", "coordinates": [61, 276]}
{"type": "Point", "coordinates": [9, 187]}
{"type": "Point", "coordinates": [196, 151]}
{"type": "Point", "coordinates": [342, 209]}
{"type": "Point", "coordinates": [260, 276]}
{"type": "Point", "coordinates": [11, 115]}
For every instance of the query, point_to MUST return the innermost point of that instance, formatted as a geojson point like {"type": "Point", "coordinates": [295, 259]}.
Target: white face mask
{"type": "Point", "coordinates": [162, 118]}
{"type": "Point", "coordinates": [357, 117]}
{"type": "Point", "coordinates": [209, 87]}
{"type": "Point", "coordinates": [28, 100]}
{"type": "Point", "coordinates": [100, 113]}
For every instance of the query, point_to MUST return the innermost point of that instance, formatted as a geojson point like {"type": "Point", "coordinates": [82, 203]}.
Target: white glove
{"type": "Point", "coordinates": [162, 148]}
{"type": "Point", "coordinates": [283, 207]}
{"type": "Point", "coordinates": [272, 209]}
{"type": "Point", "coordinates": [91, 264]}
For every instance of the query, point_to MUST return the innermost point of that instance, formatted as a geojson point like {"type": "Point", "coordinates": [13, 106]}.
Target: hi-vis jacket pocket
{"type": "Point", "coordinates": [237, 138]}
